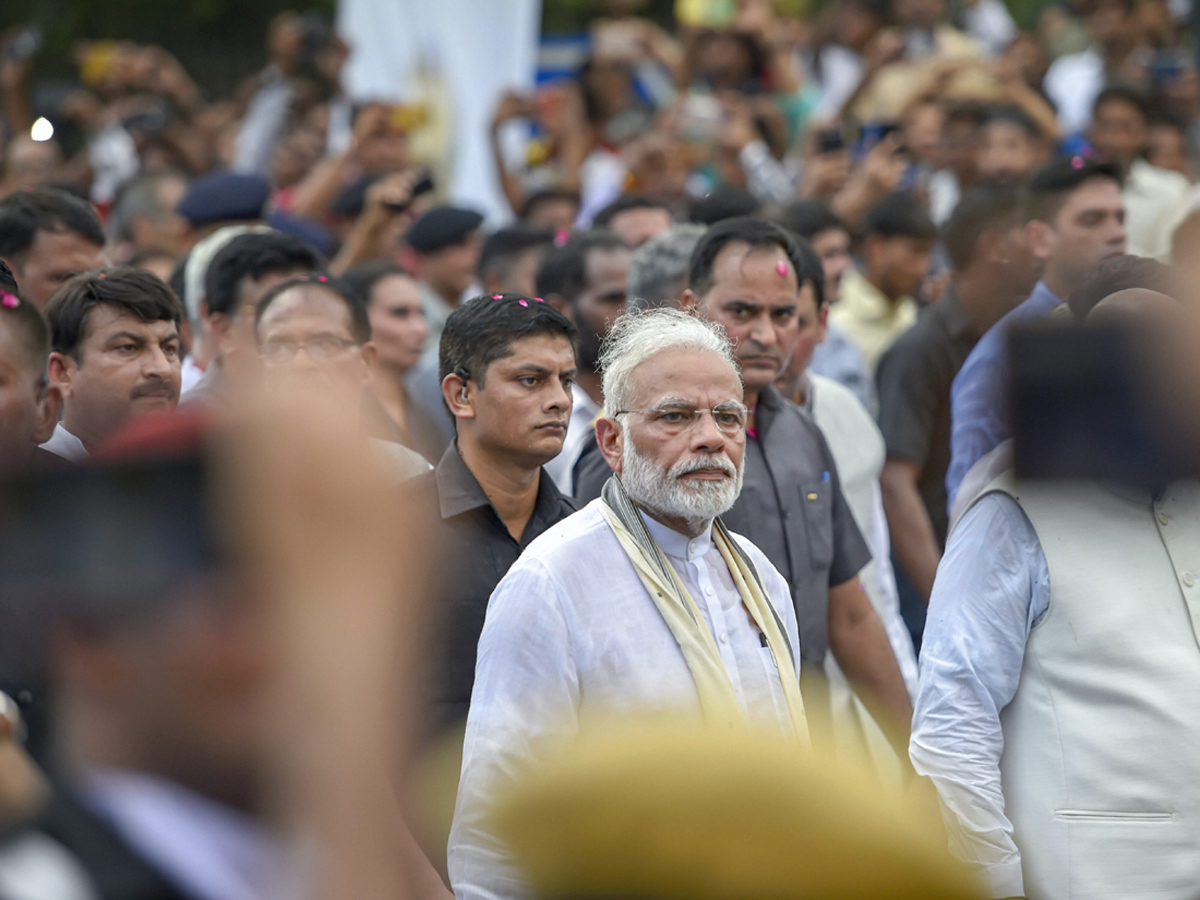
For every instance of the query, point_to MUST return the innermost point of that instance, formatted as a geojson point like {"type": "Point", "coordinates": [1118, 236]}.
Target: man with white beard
{"type": "Point", "coordinates": [642, 602]}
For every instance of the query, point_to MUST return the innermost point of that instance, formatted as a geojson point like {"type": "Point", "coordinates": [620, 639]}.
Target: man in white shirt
{"type": "Point", "coordinates": [642, 601]}
{"type": "Point", "coordinates": [116, 355]}
{"type": "Point", "coordinates": [586, 279]}
{"type": "Point", "coordinates": [1156, 199]}
{"type": "Point", "coordinates": [1057, 714]}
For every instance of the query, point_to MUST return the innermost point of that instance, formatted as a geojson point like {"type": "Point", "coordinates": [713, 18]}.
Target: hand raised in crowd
{"type": "Point", "coordinates": [512, 106]}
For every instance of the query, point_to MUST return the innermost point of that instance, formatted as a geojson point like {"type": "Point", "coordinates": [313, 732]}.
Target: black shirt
{"type": "Point", "coordinates": [791, 507]}
{"type": "Point", "coordinates": [468, 549]}
{"type": "Point", "coordinates": [913, 382]}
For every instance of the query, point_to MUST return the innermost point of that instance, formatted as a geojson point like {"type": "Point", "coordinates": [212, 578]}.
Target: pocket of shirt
{"type": "Point", "coordinates": [816, 500]}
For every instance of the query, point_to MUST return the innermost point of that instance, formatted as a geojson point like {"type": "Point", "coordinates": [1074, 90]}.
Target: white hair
{"type": "Point", "coordinates": [641, 334]}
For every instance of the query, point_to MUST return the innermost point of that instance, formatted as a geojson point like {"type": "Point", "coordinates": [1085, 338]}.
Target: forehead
{"type": "Point", "coordinates": [744, 272]}
{"type": "Point", "coordinates": [700, 376]}
{"type": "Point", "coordinates": [1093, 193]}
{"type": "Point", "coordinates": [607, 264]}
{"type": "Point", "coordinates": [552, 351]}
{"type": "Point", "coordinates": [307, 307]}
{"type": "Point", "coordinates": [830, 239]}
{"type": "Point", "coordinates": [106, 319]}
{"type": "Point", "coordinates": [396, 290]}
{"type": "Point", "coordinates": [63, 249]}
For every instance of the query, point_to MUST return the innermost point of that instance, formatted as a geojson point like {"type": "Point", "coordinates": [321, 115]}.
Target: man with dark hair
{"type": "Point", "coordinates": [634, 218]}
{"type": "Point", "coordinates": [29, 407]}
{"type": "Point", "coordinates": [238, 275]}
{"type": "Point", "coordinates": [836, 356]}
{"type": "Point", "coordinates": [1156, 200]}
{"type": "Point", "coordinates": [116, 354]}
{"type": "Point", "coordinates": [47, 236]}
{"type": "Point", "coordinates": [587, 280]}
{"type": "Point", "coordinates": [877, 303]}
{"type": "Point", "coordinates": [992, 270]}
{"type": "Point", "coordinates": [510, 259]}
{"type": "Point", "coordinates": [447, 244]}
{"type": "Point", "coordinates": [507, 364]}
{"type": "Point", "coordinates": [1121, 273]}
{"type": "Point", "coordinates": [1074, 221]}
{"type": "Point", "coordinates": [553, 209]}
{"type": "Point", "coordinates": [747, 275]}
{"type": "Point", "coordinates": [1011, 146]}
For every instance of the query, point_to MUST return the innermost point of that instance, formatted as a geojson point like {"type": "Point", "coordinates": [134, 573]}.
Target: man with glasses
{"type": "Point", "coordinates": [749, 276]}
{"type": "Point", "coordinates": [643, 603]}
{"type": "Point", "coordinates": [314, 337]}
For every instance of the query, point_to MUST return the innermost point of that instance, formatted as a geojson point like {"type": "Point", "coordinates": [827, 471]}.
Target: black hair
{"type": "Point", "coordinates": [253, 254]}
{"type": "Point", "coordinates": [135, 291]}
{"type": "Point", "coordinates": [564, 270]}
{"type": "Point", "coordinates": [969, 112]}
{"type": "Point", "coordinates": [26, 319]}
{"type": "Point", "coordinates": [1121, 273]}
{"type": "Point", "coordinates": [502, 248]}
{"type": "Point", "coordinates": [1014, 115]}
{"type": "Point", "coordinates": [808, 218]}
{"type": "Point", "coordinates": [1051, 185]}
{"type": "Point", "coordinates": [624, 203]}
{"type": "Point", "coordinates": [483, 330]}
{"type": "Point", "coordinates": [360, 322]}
{"type": "Point", "coordinates": [981, 209]}
{"type": "Point", "coordinates": [24, 213]}
{"type": "Point", "coordinates": [362, 278]}
{"type": "Point", "coordinates": [723, 203]}
{"type": "Point", "coordinates": [1123, 93]}
{"type": "Point", "coordinates": [547, 195]}
{"type": "Point", "coordinates": [899, 215]}
{"type": "Point", "coordinates": [758, 234]}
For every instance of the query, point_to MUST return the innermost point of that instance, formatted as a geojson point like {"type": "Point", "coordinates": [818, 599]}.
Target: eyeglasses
{"type": "Point", "coordinates": [326, 346]}
{"type": "Point", "coordinates": [730, 418]}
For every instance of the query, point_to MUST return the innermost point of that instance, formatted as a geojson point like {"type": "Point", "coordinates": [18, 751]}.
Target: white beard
{"type": "Point", "coordinates": [663, 493]}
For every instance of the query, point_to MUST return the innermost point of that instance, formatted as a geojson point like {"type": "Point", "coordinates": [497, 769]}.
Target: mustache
{"type": "Point", "coordinates": [146, 388]}
{"type": "Point", "coordinates": [704, 462]}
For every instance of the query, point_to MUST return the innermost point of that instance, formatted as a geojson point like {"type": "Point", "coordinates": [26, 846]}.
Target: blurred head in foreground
{"type": "Point", "coordinates": [314, 331]}
{"type": "Point", "coordinates": [674, 812]}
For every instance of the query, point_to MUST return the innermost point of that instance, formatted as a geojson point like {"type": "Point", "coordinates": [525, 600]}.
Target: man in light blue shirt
{"type": "Point", "coordinates": [1075, 220]}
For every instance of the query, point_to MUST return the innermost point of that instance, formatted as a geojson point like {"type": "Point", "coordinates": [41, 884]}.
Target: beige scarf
{"type": "Point", "coordinates": [718, 702]}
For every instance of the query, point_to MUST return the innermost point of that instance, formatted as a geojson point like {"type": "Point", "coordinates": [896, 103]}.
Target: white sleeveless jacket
{"type": "Point", "coordinates": [1101, 764]}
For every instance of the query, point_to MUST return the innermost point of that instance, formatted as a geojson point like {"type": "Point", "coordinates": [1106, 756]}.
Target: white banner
{"type": "Point", "coordinates": [465, 51]}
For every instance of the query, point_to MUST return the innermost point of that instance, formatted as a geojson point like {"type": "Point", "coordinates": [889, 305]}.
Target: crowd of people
{"type": "Point", "coordinates": [353, 544]}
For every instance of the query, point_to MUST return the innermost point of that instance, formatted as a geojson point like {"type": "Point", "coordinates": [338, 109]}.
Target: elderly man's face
{"type": "Point", "coordinates": [672, 466]}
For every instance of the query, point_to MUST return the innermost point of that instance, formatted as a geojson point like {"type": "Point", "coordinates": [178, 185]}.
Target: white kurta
{"type": "Point", "coordinates": [571, 632]}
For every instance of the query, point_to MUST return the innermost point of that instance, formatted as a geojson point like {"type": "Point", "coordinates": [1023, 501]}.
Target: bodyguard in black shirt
{"type": "Point", "coordinates": [507, 364]}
